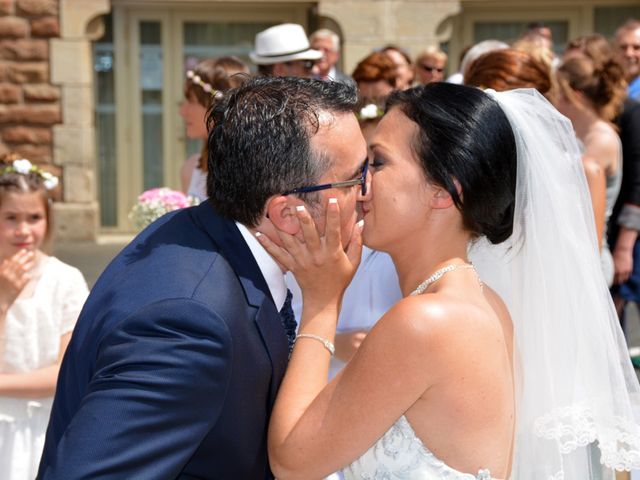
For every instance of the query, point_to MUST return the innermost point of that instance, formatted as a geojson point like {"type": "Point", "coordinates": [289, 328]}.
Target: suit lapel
{"type": "Point", "coordinates": [237, 253]}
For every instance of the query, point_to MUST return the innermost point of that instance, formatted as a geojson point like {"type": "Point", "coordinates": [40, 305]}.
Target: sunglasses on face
{"type": "Point", "coordinates": [430, 69]}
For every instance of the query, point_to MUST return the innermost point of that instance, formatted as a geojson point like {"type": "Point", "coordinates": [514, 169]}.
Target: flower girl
{"type": "Point", "coordinates": [40, 299]}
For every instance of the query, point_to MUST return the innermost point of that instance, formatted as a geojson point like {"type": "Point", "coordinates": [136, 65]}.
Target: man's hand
{"type": "Point", "coordinates": [623, 263]}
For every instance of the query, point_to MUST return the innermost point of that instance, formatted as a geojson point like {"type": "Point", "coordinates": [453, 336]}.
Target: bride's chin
{"type": "Point", "coordinates": [368, 237]}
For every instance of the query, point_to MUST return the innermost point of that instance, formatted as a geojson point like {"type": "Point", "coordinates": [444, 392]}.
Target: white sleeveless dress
{"type": "Point", "coordinates": [400, 455]}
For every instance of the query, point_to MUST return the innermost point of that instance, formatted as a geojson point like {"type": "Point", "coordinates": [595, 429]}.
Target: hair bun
{"type": "Point", "coordinates": [502, 228]}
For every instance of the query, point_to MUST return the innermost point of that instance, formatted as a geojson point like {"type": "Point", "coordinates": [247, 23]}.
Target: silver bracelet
{"type": "Point", "coordinates": [327, 344]}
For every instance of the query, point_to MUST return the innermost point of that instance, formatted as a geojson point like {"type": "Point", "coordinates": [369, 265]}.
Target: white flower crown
{"type": "Point", "coordinates": [25, 167]}
{"type": "Point", "coordinates": [370, 112]}
{"type": "Point", "coordinates": [195, 78]}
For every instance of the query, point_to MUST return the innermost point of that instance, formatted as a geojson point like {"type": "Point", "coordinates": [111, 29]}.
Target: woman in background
{"type": "Point", "coordinates": [404, 67]}
{"type": "Point", "coordinates": [591, 92]}
{"type": "Point", "coordinates": [375, 76]}
{"type": "Point", "coordinates": [430, 65]}
{"type": "Point", "coordinates": [205, 83]}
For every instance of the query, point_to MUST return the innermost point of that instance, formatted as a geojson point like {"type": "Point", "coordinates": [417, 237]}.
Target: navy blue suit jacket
{"type": "Point", "coordinates": [174, 364]}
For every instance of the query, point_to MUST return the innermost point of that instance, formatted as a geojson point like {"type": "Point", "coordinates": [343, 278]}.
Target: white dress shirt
{"type": "Point", "coordinates": [270, 270]}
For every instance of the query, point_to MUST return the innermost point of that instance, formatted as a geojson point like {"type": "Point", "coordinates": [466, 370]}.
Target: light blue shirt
{"type": "Point", "coordinates": [634, 88]}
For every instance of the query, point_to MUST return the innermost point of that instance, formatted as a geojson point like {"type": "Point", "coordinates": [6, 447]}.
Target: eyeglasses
{"type": "Point", "coordinates": [429, 68]}
{"type": "Point", "coordinates": [362, 181]}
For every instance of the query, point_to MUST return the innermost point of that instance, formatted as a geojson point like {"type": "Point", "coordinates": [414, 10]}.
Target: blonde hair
{"type": "Point", "coordinates": [432, 52]}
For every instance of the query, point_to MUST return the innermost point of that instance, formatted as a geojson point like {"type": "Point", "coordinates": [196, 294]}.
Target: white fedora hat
{"type": "Point", "coordinates": [282, 43]}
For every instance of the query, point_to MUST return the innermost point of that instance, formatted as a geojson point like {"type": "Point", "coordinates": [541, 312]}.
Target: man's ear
{"type": "Point", "coordinates": [281, 211]}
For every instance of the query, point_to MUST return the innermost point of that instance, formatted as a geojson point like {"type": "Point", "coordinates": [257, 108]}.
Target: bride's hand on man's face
{"type": "Point", "coordinates": [321, 266]}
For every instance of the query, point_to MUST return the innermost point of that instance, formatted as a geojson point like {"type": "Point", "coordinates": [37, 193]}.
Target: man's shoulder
{"type": "Point", "coordinates": [174, 258]}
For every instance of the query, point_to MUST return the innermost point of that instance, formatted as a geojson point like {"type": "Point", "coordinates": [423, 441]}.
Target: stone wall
{"type": "Point", "coordinates": [29, 103]}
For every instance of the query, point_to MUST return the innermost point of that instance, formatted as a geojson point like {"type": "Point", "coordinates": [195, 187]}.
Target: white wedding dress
{"type": "Point", "coordinates": [400, 454]}
{"type": "Point", "coordinates": [577, 397]}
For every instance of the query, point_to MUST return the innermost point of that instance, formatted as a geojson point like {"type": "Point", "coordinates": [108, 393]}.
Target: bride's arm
{"type": "Point", "coordinates": [317, 428]}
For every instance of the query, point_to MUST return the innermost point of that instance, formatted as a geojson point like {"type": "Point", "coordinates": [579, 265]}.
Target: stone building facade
{"type": "Point", "coordinates": [45, 101]}
{"type": "Point", "coordinates": [29, 102]}
{"type": "Point", "coordinates": [90, 88]}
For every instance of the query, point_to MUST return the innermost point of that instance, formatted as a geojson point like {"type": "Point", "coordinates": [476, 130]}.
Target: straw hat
{"type": "Point", "coordinates": [283, 43]}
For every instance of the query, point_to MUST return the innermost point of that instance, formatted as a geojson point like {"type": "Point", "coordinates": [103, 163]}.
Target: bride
{"type": "Point", "coordinates": [509, 367]}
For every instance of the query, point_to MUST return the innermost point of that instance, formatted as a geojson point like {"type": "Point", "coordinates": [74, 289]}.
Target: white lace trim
{"type": "Point", "coordinates": [576, 426]}
{"type": "Point", "coordinates": [400, 454]}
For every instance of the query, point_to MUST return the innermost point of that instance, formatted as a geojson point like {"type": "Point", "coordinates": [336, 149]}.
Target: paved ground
{"type": "Point", "coordinates": [92, 258]}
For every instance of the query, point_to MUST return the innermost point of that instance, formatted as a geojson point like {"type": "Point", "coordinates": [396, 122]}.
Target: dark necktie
{"type": "Point", "coordinates": [288, 320]}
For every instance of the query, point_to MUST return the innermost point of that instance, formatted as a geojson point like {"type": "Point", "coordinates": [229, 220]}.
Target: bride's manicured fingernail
{"type": "Point", "coordinates": [333, 200]}
{"type": "Point", "coordinates": [300, 208]}
{"type": "Point", "coordinates": [360, 223]}
{"type": "Point", "coordinates": [258, 234]}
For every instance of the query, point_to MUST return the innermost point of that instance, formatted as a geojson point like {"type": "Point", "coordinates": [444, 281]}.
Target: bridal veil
{"type": "Point", "coordinates": [578, 398]}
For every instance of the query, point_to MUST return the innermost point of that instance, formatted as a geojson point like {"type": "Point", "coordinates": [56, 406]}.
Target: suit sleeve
{"type": "Point", "coordinates": [160, 381]}
{"type": "Point", "coordinates": [629, 215]}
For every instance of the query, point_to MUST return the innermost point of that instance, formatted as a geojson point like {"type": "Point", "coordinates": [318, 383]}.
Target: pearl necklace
{"type": "Point", "coordinates": [438, 274]}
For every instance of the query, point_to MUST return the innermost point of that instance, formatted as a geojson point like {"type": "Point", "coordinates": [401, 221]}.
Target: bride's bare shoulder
{"type": "Point", "coordinates": [437, 324]}
{"type": "Point", "coordinates": [436, 320]}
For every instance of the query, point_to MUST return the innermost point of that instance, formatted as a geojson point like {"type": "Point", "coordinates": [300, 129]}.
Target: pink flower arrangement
{"type": "Point", "coordinates": [154, 203]}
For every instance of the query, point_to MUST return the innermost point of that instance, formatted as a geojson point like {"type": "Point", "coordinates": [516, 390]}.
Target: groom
{"type": "Point", "coordinates": [178, 354]}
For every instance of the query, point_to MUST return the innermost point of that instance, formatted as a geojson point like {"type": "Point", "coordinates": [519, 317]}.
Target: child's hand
{"type": "Point", "coordinates": [14, 276]}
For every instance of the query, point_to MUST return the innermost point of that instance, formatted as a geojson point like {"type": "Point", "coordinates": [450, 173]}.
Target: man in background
{"type": "Point", "coordinates": [328, 42]}
{"type": "Point", "coordinates": [284, 51]}
{"type": "Point", "coordinates": [627, 40]}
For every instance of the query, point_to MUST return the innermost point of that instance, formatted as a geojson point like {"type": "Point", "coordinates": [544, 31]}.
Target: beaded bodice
{"type": "Point", "coordinates": [400, 454]}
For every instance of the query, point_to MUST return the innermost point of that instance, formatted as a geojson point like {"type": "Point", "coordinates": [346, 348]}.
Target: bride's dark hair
{"type": "Point", "coordinates": [465, 136]}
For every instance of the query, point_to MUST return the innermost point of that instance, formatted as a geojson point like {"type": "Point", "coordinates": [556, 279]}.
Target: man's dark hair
{"type": "Point", "coordinates": [464, 135]}
{"type": "Point", "coordinates": [259, 141]}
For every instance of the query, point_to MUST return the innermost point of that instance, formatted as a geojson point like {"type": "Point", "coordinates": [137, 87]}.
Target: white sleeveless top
{"type": "Point", "coordinates": [198, 185]}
